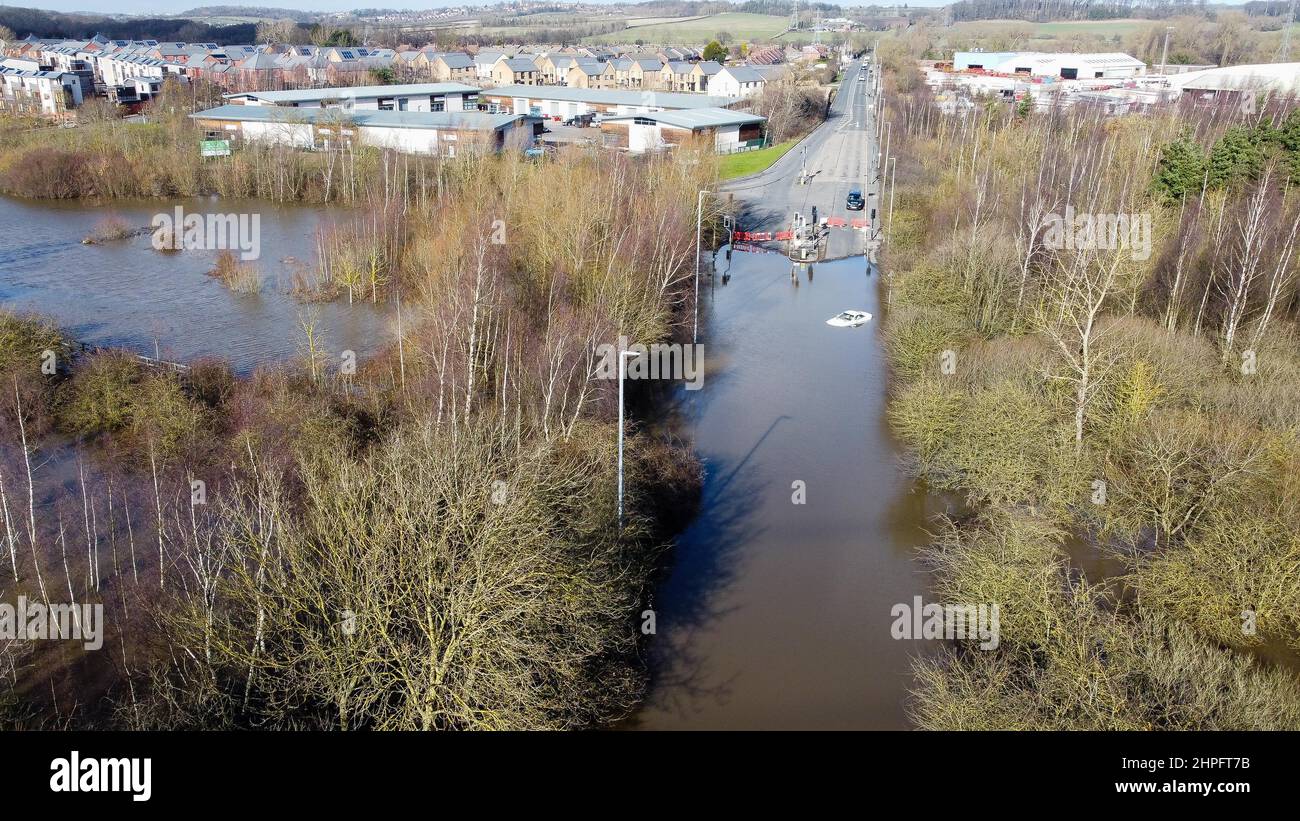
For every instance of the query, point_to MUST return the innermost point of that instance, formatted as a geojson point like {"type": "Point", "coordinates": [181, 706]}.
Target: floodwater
{"type": "Point", "coordinates": [126, 294]}
{"type": "Point", "coordinates": [774, 614]}
{"type": "Point", "coordinates": [777, 614]}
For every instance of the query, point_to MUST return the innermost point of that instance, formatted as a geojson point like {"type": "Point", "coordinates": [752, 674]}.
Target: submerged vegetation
{"type": "Point", "coordinates": [425, 540]}
{"type": "Point", "coordinates": [109, 229]}
{"type": "Point", "coordinates": [237, 275]}
{"type": "Point", "coordinates": [1093, 333]}
{"type": "Point", "coordinates": [110, 158]}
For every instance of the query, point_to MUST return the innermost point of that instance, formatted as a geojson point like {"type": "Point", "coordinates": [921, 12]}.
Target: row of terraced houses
{"type": "Point", "coordinates": [52, 76]}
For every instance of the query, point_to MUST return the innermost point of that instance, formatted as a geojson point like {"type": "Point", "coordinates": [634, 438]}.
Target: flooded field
{"type": "Point", "coordinates": [125, 293]}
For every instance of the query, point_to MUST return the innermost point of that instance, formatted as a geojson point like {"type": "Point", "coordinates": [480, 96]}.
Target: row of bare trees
{"type": "Point", "coordinates": [429, 542]}
{"type": "Point", "coordinates": [1121, 381]}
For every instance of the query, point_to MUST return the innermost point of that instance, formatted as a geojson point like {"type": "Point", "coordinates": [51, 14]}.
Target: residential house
{"type": "Point", "coordinates": [677, 55]}
{"type": "Point", "coordinates": [485, 60]}
{"type": "Point", "coordinates": [453, 67]}
{"type": "Point", "coordinates": [47, 92]}
{"type": "Point", "coordinates": [737, 81]}
{"type": "Point", "coordinates": [414, 63]}
{"type": "Point", "coordinates": [767, 56]}
{"type": "Point", "coordinates": [644, 73]}
{"type": "Point", "coordinates": [591, 74]}
{"type": "Point", "coordinates": [688, 77]}
{"type": "Point", "coordinates": [516, 71]}
{"type": "Point", "coordinates": [554, 68]}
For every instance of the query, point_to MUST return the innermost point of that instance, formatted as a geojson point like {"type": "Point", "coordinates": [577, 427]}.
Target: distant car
{"type": "Point", "coordinates": [849, 319]}
{"type": "Point", "coordinates": [580, 120]}
{"type": "Point", "coordinates": [855, 201]}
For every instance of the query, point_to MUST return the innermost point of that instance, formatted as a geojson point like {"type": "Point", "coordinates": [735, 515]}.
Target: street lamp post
{"type": "Point", "coordinates": [699, 221]}
{"type": "Point", "coordinates": [884, 150]}
{"type": "Point", "coordinates": [622, 370]}
{"type": "Point", "coordinates": [893, 176]}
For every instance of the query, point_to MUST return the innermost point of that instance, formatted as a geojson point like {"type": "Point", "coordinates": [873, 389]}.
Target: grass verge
{"type": "Point", "coordinates": [752, 162]}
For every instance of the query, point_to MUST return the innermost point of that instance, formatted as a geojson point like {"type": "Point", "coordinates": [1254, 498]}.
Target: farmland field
{"type": "Point", "coordinates": [658, 21]}
{"type": "Point", "coordinates": [1103, 28]}
{"type": "Point", "coordinates": [698, 31]}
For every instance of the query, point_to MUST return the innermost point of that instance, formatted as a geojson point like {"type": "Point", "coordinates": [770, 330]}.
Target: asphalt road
{"type": "Point", "coordinates": [840, 154]}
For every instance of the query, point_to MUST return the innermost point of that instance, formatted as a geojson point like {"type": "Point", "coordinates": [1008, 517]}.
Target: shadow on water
{"type": "Point", "coordinates": [682, 677]}
{"type": "Point", "coordinates": [776, 612]}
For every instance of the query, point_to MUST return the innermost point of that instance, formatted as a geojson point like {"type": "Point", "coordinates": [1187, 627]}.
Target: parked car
{"type": "Point", "coordinates": [855, 202]}
{"type": "Point", "coordinates": [849, 319]}
{"type": "Point", "coordinates": [580, 120]}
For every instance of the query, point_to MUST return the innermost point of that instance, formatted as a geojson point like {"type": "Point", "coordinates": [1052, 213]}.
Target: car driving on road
{"type": "Point", "coordinates": [855, 201]}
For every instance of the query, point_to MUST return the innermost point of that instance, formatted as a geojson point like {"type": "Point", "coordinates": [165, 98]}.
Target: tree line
{"type": "Point", "coordinates": [1093, 337]}
{"type": "Point", "coordinates": [1046, 12]}
{"type": "Point", "coordinates": [427, 540]}
{"type": "Point", "coordinates": [78, 26]}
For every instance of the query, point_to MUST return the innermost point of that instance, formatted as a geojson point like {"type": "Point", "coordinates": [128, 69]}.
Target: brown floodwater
{"type": "Point", "coordinates": [776, 614]}
{"type": "Point", "coordinates": [124, 293]}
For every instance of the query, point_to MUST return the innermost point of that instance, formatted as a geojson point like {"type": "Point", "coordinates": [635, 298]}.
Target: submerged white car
{"type": "Point", "coordinates": [849, 319]}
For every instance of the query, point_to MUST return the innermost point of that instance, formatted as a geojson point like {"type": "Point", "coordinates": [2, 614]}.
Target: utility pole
{"type": "Point", "coordinates": [699, 220]}
{"type": "Point", "coordinates": [1164, 56]}
{"type": "Point", "coordinates": [884, 150]}
{"type": "Point", "coordinates": [622, 369]}
{"type": "Point", "coordinates": [893, 176]}
{"type": "Point", "coordinates": [1285, 51]}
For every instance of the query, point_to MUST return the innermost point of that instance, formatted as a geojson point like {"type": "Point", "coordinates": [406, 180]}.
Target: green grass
{"type": "Point", "coordinates": [751, 27]}
{"type": "Point", "coordinates": [752, 162]}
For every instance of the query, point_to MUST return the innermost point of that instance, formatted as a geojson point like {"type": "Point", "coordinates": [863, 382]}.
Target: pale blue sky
{"type": "Point", "coordinates": [146, 7]}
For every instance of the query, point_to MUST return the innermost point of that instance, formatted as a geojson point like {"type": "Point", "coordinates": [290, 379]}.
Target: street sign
{"type": "Point", "coordinates": [215, 148]}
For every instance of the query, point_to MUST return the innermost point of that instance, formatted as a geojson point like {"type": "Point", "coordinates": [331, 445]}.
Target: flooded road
{"type": "Point", "coordinates": [777, 614]}
{"type": "Point", "coordinates": [124, 293]}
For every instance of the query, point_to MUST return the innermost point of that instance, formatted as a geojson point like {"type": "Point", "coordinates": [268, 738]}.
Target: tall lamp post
{"type": "Point", "coordinates": [893, 175]}
{"type": "Point", "coordinates": [622, 370]}
{"type": "Point", "coordinates": [699, 221]}
{"type": "Point", "coordinates": [883, 150]}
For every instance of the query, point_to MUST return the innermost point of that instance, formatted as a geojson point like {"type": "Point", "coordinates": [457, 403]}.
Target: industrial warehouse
{"type": "Point", "coordinates": [442, 133]}
{"type": "Point", "coordinates": [446, 118]}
